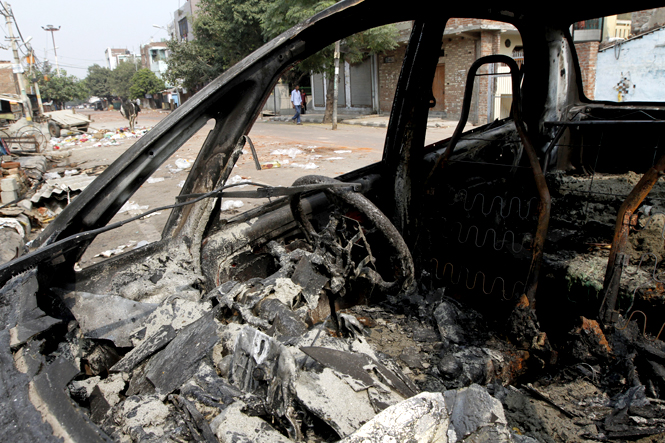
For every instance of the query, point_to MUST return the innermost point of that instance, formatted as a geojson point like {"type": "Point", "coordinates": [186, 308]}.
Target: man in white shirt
{"type": "Point", "coordinates": [296, 100]}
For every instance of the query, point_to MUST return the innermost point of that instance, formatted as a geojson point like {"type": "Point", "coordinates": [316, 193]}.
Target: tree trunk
{"type": "Point", "coordinates": [327, 116]}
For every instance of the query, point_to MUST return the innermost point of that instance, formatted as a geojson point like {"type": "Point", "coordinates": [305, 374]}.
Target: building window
{"type": "Point", "coordinates": [182, 27]}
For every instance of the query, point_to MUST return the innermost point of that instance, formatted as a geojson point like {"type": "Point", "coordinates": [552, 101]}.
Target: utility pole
{"type": "Point", "coordinates": [35, 81]}
{"type": "Point", "coordinates": [335, 86]}
{"type": "Point", "coordinates": [52, 29]}
{"type": "Point", "coordinates": [18, 68]}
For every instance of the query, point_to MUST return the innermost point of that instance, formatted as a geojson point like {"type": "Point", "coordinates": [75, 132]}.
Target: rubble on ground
{"type": "Point", "coordinates": [304, 342]}
{"type": "Point", "coordinates": [273, 357]}
{"type": "Point", "coordinates": [97, 138]}
{"type": "Point", "coordinates": [36, 188]}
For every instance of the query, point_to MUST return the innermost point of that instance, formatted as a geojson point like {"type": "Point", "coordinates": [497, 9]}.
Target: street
{"type": "Point", "coordinates": [291, 150]}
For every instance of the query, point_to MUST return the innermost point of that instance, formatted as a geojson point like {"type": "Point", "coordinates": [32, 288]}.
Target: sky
{"type": "Point", "coordinates": [87, 28]}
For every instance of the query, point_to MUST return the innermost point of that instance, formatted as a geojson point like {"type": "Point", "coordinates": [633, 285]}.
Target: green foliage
{"type": "Point", "coordinates": [192, 64]}
{"type": "Point", "coordinates": [60, 89]}
{"type": "Point", "coordinates": [98, 81]}
{"type": "Point", "coordinates": [145, 82]}
{"type": "Point", "coordinates": [226, 31]}
{"type": "Point", "coordinates": [121, 78]}
{"type": "Point", "coordinates": [282, 15]}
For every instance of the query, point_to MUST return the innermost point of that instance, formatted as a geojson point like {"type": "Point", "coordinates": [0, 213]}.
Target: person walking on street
{"type": "Point", "coordinates": [296, 100]}
{"type": "Point", "coordinates": [303, 108]}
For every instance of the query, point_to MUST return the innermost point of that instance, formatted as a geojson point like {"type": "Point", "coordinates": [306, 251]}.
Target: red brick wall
{"type": "Point", "coordinates": [488, 45]}
{"type": "Point", "coordinates": [7, 85]}
{"type": "Point", "coordinates": [460, 52]}
{"type": "Point", "coordinates": [587, 53]}
{"type": "Point", "coordinates": [388, 76]}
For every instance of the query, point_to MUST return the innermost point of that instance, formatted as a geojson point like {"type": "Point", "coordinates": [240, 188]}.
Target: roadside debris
{"type": "Point", "coordinates": [97, 138]}
{"type": "Point", "coordinates": [41, 186]}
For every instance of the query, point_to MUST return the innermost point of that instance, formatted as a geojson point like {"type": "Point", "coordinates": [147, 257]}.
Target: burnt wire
{"type": "Point", "coordinates": [488, 164]}
{"type": "Point", "coordinates": [577, 191]}
{"type": "Point", "coordinates": [593, 176]}
{"type": "Point", "coordinates": [648, 222]}
{"type": "Point", "coordinates": [637, 112]}
{"type": "Point", "coordinates": [639, 265]}
{"type": "Point", "coordinates": [654, 279]}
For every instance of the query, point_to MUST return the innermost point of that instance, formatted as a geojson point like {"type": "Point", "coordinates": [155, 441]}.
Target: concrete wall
{"type": "Point", "coordinates": [279, 101]}
{"type": "Point", "coordinates": [632, 71]}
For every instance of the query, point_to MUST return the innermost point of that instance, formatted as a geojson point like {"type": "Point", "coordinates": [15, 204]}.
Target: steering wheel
{"type": "Point", "coordinates": [400, 258]}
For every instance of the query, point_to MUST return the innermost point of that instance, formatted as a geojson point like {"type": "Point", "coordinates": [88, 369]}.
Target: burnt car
{"type": "Point", "coordinates": [493, 286]}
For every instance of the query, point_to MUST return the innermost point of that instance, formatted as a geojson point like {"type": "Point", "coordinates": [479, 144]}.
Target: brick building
{"type": "Point", "coordinates": [464, 41]}
{"type": "Point", "coordinates": [183, 19]}
{"type": "Point", "coordinates": [587, 54]}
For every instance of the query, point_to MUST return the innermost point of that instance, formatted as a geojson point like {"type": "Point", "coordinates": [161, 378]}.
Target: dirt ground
{"type": "Point", "coordinates": [291, 150]}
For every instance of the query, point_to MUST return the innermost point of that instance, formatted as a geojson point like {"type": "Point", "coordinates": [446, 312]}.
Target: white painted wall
{"type": "Point", "coordinates": [633, 71]}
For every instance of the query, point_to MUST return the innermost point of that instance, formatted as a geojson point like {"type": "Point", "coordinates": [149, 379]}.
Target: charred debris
{"type": "Point", "coordinates": [334, 330]}
{"type": "Point", "coordinates": [517, 298]}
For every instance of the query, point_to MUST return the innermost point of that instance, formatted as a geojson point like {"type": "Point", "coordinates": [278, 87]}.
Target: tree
{"type": "Point", "coordinates": [121, 78]}
{"type": "Point", "coordinates": [284, 14]}
{"type": "Point", "coordinates": [98, 81]}
{"type": "Point", "coordinates": [226, 32]}
{"type": "Point", "coordinates": [60, 89]}
{"type": "Point", "coordinates": [145, 82]}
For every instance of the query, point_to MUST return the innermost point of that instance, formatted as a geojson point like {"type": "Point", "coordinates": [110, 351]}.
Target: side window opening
{"type": "Point", "coordinates": [159, 190]}
{"type": "Point", "coordinates": [620, 56]}
{"type": "Point", "coordinates": [464, 41]}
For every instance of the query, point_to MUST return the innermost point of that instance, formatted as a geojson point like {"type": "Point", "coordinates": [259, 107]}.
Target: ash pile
{"type": "Point", "coordinates": [311, 352]}
{"type": "Point", "coordinates": [319, 337]}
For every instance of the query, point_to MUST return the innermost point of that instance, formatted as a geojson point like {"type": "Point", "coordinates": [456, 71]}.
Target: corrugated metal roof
{"type": "Point", "coordinates": [10, 97]}
{"type": "Point", "coordinates": [59, 186]}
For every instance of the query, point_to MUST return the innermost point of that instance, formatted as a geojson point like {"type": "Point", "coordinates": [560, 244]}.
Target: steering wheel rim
{"type": "Point", "coordinates": [402, 259]}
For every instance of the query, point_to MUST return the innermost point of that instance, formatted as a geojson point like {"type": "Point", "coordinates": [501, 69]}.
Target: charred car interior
{"type": "Point", "coordinates": [501, 285]}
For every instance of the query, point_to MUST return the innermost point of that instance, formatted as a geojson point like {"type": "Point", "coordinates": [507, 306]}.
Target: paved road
{"type": "Point", "coordinates": [296, 150]}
